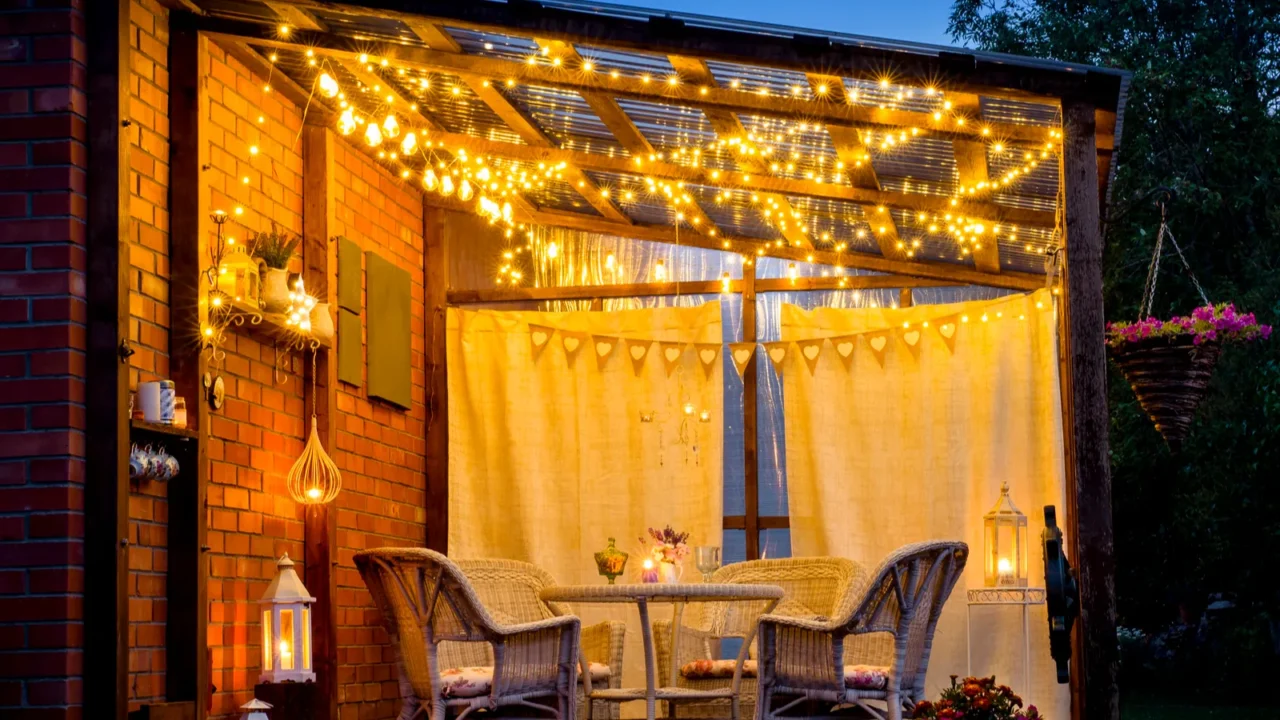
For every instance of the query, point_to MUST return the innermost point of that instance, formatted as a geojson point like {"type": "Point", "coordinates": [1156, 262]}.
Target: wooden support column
{"type": "Point", "coordinates": [187, 672]}
{"type": "Point", "coordinates": [750, 417]}
{"type": "Point", "coordinates": [106, 551]}
{"type": "Point", "coordinates": [435, 232]}
{"type": "Point", "coordinates": [319, 258]}
{"type": "Point", "coordinates": [1094, 668]}
{"type": "Point", "coordinates": [905, 298]}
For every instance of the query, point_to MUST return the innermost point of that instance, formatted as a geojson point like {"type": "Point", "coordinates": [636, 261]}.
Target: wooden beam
{"type": "Point", "coordinates": [387, 89]}
{"type": "Point", "coordinates": [971, 169]}
{"type": "Point", "coordinates": [295, 17]}
{"type": "Point", "coordinates": [750, 417]}
{"type": "Point", "coordinates": [700, 287]}
{"type": "Point", "coordinates": [727, 125]}
{"type": "Point", "coordinates": [320, 528]}
{"type": "Point", "coordinates": [436, 229]}
{"type": "Point", "coordinates": [106, 489]}
{"type": "Point", "coordinates": [317, 112]}
{"type": "Point", "coordinates": [1091, 526]}
{"type": "Point", "coordinates": [187, 658]}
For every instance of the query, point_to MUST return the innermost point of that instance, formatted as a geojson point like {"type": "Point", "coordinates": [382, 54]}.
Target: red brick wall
{"type": "Point", "coordinates": [148, 334]}
{"type": "Point", "coordinates": [258, 434]}
{"type": "Point", "coordinates": [42, 341]}
{"type": "Point", "coordinates": [381, 448]}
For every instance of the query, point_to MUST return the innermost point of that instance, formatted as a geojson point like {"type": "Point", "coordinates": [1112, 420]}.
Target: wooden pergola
{"type": "Point", "coordinates": [896, 165]}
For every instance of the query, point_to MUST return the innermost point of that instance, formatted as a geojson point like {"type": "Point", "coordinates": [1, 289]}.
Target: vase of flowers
{"type": "Point", "coordinates": [976, 699]}
{"type": "Point", "coordinates": [667, 549]}
{"type": "Point", "coordinates": [1169, 362]}
{"type": "Point", "coordinates": [275, 249]}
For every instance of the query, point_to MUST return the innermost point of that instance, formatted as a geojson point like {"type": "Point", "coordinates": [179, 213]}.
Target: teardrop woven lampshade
{"type": "Point", "coordinates": [314, 479]}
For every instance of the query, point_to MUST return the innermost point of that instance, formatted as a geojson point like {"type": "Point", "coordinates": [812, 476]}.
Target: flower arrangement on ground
{"type": "Point", "coordinates": [976, 699]}
{"type": "Point", "coordinates": [666, 549]}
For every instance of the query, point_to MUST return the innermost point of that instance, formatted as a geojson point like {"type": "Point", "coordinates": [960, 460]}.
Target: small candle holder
{"type": "Point", "coordinates": [649, 573]}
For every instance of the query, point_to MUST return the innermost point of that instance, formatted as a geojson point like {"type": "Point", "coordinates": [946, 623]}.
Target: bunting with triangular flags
{"type": "Point", "coordinates": [878, 341]}
{"type": "Point", "coordinates": [947, 330]}
{"type": "Point", "coordinates": [811, 350]}
{"type": "Point", "coordinates": [707, 354]}
{"type": "Point", "coordinates": [604, 347]}
{"type": "Point", "coordinates": [741, 354]}
{"type": "Point", "coordinates": [637, 350]}
{"type": "Point", "coordinates": [844, 346]}
{"type": "Point", "coordinates": [539, 336]}
{"type": "Point", "coordinates": [671, 352]}
{"type": "Point", "coordinates": [777, 353]}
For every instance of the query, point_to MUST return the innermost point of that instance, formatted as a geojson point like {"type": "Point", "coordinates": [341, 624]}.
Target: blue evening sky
{"type": "Point", "coordinates": [918, 20]}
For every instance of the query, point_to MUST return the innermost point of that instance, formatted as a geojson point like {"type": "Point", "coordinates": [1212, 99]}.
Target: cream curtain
{"type": "Point", "coordinates": [914, 445]}
{"type": "Point", "coordinates": [549, 457]}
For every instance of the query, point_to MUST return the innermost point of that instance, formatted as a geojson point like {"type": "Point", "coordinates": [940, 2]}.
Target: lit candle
{"type": "Point", "coordinates": [1004, 572]}
{"type": "Point", "coordinates": [650, 573]}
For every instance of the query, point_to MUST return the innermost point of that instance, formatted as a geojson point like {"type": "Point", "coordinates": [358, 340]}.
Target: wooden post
{"type": "Point", "coordinates": [750, 425]}
{"type": "Point", "coordinates": [320, 398]}
{"type": "Point", "coordinates": [1095, 694]}
{"type": "Point", "coordinates": [106, 551]}
{"type": "Point", "coordinates": [435, 232]}
{"type": "Point", "coordinates": [905, 298]}
{"type": "Point", "coordinates": [187, 674]}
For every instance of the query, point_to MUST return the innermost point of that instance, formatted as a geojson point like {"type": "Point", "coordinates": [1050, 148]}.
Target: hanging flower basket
{"type": "Point", "coordinates": [1169, 363]}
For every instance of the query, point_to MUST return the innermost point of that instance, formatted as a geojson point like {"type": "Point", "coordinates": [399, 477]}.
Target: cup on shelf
{"type": "Point", "coordinates": [149, 401]}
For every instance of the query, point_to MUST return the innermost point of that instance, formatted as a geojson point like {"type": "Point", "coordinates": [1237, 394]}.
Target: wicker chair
{"type": "Point", "coordinates": [803, 662]}
{"type": "Point", "coordinates": [813, 586]}
{"type": "Point", "coordinates": [510, 591]}
{"type": "Point", "coordinates": [425, 599]}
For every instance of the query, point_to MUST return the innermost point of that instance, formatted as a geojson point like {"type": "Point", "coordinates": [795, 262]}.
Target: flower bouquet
{"type": "Point", "coordinates": [976, 699]}
{"type": "Point", "coordinates": [1169, 362]}
{"type": "Point", "coordinates": [666, 549]}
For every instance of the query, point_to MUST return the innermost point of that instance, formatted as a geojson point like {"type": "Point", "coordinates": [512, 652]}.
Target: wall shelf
{"type": "Point", "coordinates": [269, 327]}
{"type": "Point", "coordinates": [142, 426]}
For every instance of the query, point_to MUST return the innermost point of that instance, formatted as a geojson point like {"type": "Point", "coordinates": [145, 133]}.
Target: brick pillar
{"type": "Point", "coordinates": [42, 341]}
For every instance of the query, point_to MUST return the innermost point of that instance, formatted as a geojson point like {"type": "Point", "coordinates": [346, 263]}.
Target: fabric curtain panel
{"type": "Point", "coordinates": [548, 453]}
{"type": "Point", "coordinates": [912, 442]}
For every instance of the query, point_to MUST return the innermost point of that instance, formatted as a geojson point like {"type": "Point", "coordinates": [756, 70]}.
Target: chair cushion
{"type": "Point", "coordinates": [468, 682]}
{"type": "Point", "coordinates": [860, 677]}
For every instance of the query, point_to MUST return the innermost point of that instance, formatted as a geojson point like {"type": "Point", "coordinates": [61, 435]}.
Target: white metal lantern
{"type": "Point", "coordinates": [286, 628]}
{"type": "Point", "coordinates": [1005, 531]}
{"type": "Point", "coordinates": [253, 710]}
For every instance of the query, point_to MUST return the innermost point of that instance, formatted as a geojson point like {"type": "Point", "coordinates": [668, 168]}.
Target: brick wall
{"type": "Point", "coordinates": [381, 449]}
{"type": "Point", "coordinates": [42, 340]}
{"type": "Point", "coordinates": [148, 334]}
{"type": "Point", "coordinates": [258, 434]}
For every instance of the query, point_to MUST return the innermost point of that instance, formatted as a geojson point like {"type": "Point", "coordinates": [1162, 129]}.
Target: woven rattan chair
{"type": "Point", "coordinates": [813, 588]}
{"type": "Point", "coordinates": [425, 600]}
{"type": "Point", "coordinates": [803, 661]}
{"type": "Point", "coordinates": [510, 591]}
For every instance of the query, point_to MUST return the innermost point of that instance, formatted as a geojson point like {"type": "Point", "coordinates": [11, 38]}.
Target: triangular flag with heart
{"type": "Point", "coordinates": [811, 350]}
{"type": "Point", "coordinates": [946, 328]}
{"type": "Point", "coordinates": [878, 341]}
{"type": "Point", "coordinates": [573, 342]}
{"type": "Point", "coordinates": [604, 347]}
{"type": "Point", "coordinates": [777, 352]}
{"type": "Point", "coordinates": [707, 355]}
{"type": "Point", "coordinates": [911, 335]}
{"type": "Point", "coordinates": [638, 350]}
{"type": "Point", "coordinates": [671, 352]}
{"type": "Point", "coordinates": [844, 346]}
{"type": "Point", "coordinates": [741, 354]}
{"type": "Point", "coordinates": [539, 337]}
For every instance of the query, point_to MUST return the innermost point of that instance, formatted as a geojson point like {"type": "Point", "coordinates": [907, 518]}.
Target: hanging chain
{"type": "Point", "coordinates": [314, 391]}
{"type": "Point", "coordinates": [1153, 270]}
{"type": "Point", "coordinates": [1194, 280]}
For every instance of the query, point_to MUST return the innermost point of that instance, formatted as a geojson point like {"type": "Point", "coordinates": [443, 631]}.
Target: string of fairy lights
{"type": "Point", "coordinates": [770, 147]}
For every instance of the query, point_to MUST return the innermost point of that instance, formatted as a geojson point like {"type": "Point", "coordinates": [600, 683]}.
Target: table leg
{"type": "Point", "coordinates": [968, 643]}
{"type": "Point", "coordinates": [677, 617]}
{"type": "Point", "coordinates": [736, 702]}
{"type": "Point", "coordinates": [646, 634]}
{"type": "Point", "coordinates": [1026, 649]}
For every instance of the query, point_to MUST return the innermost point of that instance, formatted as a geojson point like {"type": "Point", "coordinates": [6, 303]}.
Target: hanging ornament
{"type": "Point", "coordinates": [347, 122]}
{"type": "Point", "coordinates": [446, 185]}
{"type": "Point", "coordinates": [430, 180]}
{"type": "Point", "coordinates": [372, 135]}
{"type": "Point", "coordinates": [506, 212]}
{"type": "Point", "coordinates": [660, 272]}
{"type": "Point", "coordinates": [328, 86]}
{"type": "Point", "coordinates": [553, 250]}
{"type": "Point", "coordinates": [314, 479]}
{"type": "Point", "coordinates": [483, 175]}
{"type": "Point", "coordinates": [409, 142]}
{"type": "Point", "coordinates": [390, 127]}
{"type": "Point", "coordinates": [465, 191]}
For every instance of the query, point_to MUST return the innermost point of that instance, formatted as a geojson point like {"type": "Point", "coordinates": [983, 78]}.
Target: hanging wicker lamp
{"type": "Point", "coordinates": [314, 478]}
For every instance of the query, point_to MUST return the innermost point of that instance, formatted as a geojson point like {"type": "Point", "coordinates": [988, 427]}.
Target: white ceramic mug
{"type": "Point", "coordinates": [149, 400]}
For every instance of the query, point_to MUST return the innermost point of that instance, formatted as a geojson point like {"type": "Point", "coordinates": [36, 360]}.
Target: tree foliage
{"type": "Point", "coordinates": [1202, 119]}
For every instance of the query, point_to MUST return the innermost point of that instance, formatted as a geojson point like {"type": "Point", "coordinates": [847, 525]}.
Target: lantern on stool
{"type": "Point", "coordinates": [286, 628]}
{"type": "Point", "coordinates": [1005, 532]}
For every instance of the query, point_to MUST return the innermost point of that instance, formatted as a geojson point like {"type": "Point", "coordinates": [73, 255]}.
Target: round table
{"type": "Point", "coordinates": [677, 595]}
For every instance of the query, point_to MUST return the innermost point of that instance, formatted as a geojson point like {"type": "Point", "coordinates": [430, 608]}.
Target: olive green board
{"type": "Point", "coordinates": [350, 348]}
{"type": "Point", "coordinates": [389, 318]}
{"type": "Point", "coordinates": [349, 275]}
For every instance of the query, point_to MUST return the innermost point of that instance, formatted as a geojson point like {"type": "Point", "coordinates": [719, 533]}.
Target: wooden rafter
{"type": "Point", "coordinates": [386, 89]}
{"type": "Point", "coordinates": [519, 122]}
{"type": "Point", "coordinates": [727, 125]}
{"type": "Point", "coordinates": [627, 134]}
{"type": "Point", "coordinates": [295, 17]}
{"type": "Point", "coordinates": [971, 168]}
{"type": "Point", "coordinates": [857, 166]}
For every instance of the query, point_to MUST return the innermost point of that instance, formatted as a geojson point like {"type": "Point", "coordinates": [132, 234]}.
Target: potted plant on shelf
{"type": "Point", "coordinates": [1169, 362]}
{"type": "Point", "coordinates": [275, 249]}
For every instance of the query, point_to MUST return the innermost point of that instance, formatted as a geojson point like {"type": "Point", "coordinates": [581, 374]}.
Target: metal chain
{"type": "Point", "coordinates": [313, 384]}
{"type": "Point", "coordinates": [1153, 270]}
{"type": "Point", "coordinates": [1194, 280]}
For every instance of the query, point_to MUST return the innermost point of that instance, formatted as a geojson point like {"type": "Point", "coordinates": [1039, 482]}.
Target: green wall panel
{"type": "Point", "coordinates": [389, 320]}
{"type": "Point", "coordinates": [349, 275]}
{"type": "Point", "coordinates": [350, 350]}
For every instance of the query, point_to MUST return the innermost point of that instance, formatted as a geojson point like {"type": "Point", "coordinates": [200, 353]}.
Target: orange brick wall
{"type": "Point", "coordinates": [381, 448]}
{"type": "Point", "coordinates": [258, 433]}
{"type": "Point", "coordinates": [149, 334]}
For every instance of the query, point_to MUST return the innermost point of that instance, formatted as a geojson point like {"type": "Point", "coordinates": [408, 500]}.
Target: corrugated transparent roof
{"type": "Point", "coordinates": [567, 119]}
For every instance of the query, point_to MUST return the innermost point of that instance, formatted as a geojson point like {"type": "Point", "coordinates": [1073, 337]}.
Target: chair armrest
{"type": "Point", "coordinates": [801, 653]}
{"type": "Point", "coordinates": [538, 655]}
{"type": "Point", "coordinates": [602, 643]}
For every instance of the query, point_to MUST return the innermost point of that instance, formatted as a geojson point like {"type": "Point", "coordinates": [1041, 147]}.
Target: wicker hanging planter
{"type": "Point", "coordinates": [1170, 375]}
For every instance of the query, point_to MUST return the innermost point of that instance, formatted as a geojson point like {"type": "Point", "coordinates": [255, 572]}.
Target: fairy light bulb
{"type": "Point", "coordinates": [506, 212]}
{"type": "Point", "coordinates": [792, 273]}
{"type": "Point", "coordinates": [347, 122]}
{"type": "Point", "coordinates": [465, 191]}
{"type": "Point", "coordinates": [430, 180]}
{"type": "Point", "coordinates": [446, 185]}
{"type": "Point", "coordinates": [726, 283]}
{"type": "Point", "coordinates": [660, 271]}
{"type": "Point", "coordinates": [328, 86]}
{"type": "Point", "coordinates": [372, 135]}
{"type": "Point", "coordinates": [610, 261]}
{"type": "Point", "coordinates": [483, 175]}
{"type": "Point", "coordinates": [553, 250]}
{"type": "Point", "coordinates": [390, 127]}
{"type": "Point", "coordinates": [409, 142]}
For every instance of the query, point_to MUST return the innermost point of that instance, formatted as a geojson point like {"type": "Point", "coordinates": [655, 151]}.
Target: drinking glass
{"type": "Point", "coordinates": [707, 559]}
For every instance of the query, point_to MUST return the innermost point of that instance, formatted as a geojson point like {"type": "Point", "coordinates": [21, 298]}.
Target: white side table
{"type": "Point", "coordinates": [1022, 597]}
